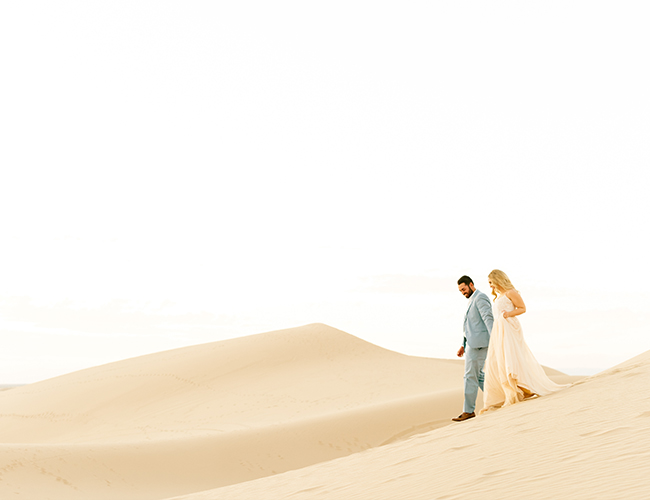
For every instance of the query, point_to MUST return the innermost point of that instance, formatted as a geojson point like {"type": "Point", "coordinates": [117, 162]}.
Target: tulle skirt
{"type": "Point", "coordinates": [512, 373]}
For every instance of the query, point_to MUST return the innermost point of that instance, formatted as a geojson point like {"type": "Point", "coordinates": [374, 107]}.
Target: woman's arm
{"type": "Point", "coordinates": [517, 301]}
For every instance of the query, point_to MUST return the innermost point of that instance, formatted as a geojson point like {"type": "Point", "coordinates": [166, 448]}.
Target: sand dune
{"type": "Point", "coordinates": [207, 416]}
{"type": "Point", "coordinates": [590, 441]}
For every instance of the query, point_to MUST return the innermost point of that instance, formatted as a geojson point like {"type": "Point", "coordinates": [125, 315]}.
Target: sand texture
{"type": "Point", "coordinates": [590, 441]}
{"type": "Point", "coordinates": [208, 416]}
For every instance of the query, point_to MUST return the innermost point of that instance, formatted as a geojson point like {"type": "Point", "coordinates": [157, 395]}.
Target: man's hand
{"type": "Point", "coordinates": [461, 351]}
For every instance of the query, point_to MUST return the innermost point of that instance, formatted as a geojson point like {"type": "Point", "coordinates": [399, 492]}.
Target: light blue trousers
{"type": "Point", "coordinates": [474, 376]}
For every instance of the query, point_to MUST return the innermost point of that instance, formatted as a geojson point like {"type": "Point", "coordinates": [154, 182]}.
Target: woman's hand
{"type": "Point", "coordinates": [506, 314]}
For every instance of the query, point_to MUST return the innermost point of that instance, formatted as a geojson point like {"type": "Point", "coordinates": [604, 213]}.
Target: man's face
{"type": "Point", "coordinates": [466, 290]}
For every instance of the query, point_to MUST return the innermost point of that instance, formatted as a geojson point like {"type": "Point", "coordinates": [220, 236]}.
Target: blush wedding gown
{"type": "Point", "coordinates": [512, 373]}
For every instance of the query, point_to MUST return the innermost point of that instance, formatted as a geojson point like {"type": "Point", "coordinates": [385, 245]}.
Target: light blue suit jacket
{"type": "Point", "coordinates": [478, 321]}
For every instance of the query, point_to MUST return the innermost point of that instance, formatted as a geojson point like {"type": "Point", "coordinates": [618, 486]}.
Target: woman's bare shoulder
{"type": "Point", "coordinates": [512, 294]}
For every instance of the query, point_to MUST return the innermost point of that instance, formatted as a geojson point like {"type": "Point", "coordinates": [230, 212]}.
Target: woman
{"type": "Point", "coordinates": [512, 373]}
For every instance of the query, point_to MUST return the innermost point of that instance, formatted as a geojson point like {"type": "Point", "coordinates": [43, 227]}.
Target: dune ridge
{"type": "Point", "coordinates": [208, 416]}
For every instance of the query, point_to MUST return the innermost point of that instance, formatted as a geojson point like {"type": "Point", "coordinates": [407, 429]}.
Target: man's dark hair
{"type": "Point", "coordinates": [465, 279]}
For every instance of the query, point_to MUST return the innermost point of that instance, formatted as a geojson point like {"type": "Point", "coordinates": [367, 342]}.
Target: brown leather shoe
{"type": "Point", "coordinates": [464, 416]}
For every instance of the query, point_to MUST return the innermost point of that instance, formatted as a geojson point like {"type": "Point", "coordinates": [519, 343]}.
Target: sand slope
{"type": "Point", "coordinates": [590, 441]}
{"type": "Point", "coordinates": [206, 416]}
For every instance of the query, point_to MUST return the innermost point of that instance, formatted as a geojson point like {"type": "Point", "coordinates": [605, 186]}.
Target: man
{"type": "Point", "coordinates": [477, 328]}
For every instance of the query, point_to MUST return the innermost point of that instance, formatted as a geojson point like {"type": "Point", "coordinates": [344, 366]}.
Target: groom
{"type": "Point", "coordinates": [477, 328]}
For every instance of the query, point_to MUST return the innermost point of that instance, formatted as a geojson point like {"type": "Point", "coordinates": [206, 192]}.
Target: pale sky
{"type": "Point", "coordinates": [181, 172]}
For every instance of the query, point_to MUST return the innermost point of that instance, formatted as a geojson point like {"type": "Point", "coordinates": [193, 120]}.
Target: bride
{"type": "Point", "coordinates": [512, 373]}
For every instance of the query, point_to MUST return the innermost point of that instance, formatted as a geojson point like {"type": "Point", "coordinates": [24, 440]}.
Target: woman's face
{"type": "Point", "coordinates": [493, 286]}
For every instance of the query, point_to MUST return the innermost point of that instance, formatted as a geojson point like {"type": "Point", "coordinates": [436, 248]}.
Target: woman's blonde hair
{"type": "Point", "coordinates": [500, 280]}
